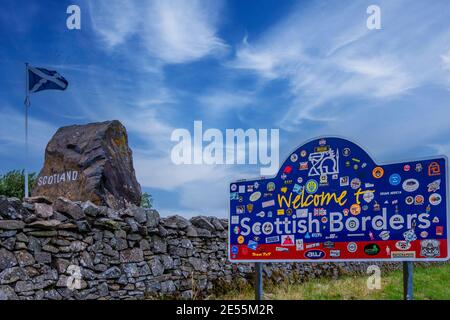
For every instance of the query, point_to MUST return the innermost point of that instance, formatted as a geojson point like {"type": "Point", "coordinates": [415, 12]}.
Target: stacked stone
{"type": "Point", "coordinates": [77, 250]}
{"type": "Point", "coordinates": [125, 254]}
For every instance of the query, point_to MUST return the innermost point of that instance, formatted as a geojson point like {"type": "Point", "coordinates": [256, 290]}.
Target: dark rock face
{"type": "Point", "coordinates": [90, 162]}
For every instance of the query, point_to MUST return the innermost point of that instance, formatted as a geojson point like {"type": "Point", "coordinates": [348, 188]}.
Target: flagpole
{"type": "Point", "coordinates": [27, 103]}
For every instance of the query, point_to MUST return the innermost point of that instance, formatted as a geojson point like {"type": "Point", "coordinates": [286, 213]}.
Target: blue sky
{"type": "Point", "coordinates": [308, 68]}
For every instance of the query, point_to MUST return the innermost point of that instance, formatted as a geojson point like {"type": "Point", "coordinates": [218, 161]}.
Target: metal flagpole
{"type": "Point", "coordinates": [27, 103]}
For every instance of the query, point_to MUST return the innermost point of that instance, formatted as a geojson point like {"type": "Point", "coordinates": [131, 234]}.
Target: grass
{"type": "Point", "coordinates": [430, 283]}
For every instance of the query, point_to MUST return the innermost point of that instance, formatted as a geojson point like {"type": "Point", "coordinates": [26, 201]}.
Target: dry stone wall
{"type": "Point", "coordinates": [77, 250]}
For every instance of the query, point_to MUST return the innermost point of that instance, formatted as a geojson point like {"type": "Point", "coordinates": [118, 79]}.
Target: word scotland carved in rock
{"type": "Point", "coordinates": [90, 162]}
{"type": "Point", "coordinates": [57, 178]}
{"type": "Point", "coordinates": [77, 250]}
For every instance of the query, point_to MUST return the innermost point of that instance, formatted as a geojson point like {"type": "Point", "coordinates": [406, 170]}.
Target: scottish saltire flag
{"type": "Point", "coordinates": [43, 79]}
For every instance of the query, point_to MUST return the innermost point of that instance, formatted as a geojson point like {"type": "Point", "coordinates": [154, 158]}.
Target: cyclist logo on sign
{"type": "Point", "coordinates": [324, 163]}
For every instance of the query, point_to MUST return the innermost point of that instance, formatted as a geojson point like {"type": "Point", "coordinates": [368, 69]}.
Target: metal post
{"type": "Point", "coordinates": [259, 281]}
{"type": "Point", "coordinates": [407, 280]}
{"type": "Point", "coordinates": [26, 194]}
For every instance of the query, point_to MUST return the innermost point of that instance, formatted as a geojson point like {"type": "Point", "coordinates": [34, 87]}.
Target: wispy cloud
{"type": "Point", "coordinates": [330, 54]}
{"type": "Point", "coordinates": [115, 21]}
{"type": "Point", "coordinates": [219, 102]}
{"type": "Point", "coordinates": [172, 31]}
{"type": "Point", "coordinates": [445, 58]}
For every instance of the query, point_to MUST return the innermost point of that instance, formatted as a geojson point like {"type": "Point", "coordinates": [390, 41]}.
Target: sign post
{"type": "Point", "coordinates": [259, 291]}
{"type": "Point", "coordinates": [330, 201]}
{"type": "Point", "coordinates": [408, 280]}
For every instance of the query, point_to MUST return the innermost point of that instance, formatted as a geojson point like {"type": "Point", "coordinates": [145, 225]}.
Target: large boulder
{"type": "Point", "coordinates": [90, 162]}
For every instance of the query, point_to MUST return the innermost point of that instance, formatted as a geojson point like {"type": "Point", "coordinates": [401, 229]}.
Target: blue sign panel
{"type": "Point", "coordinates": [330, 201]}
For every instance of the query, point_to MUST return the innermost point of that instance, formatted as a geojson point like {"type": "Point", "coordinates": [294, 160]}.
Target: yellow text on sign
{"type": "Point", "coordinates": [320, 199]}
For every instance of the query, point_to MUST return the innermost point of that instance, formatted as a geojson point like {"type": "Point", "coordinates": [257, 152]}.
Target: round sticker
{"type": "Point", "coordinates": [234, 250]}
{"type": "Point", "coordinates": [410, 185]}
{"type": "Point", "coordinates": [299, 179]}
{"type": "Point", "coordinates": [406, 167]}
{"type": "Point", "coordinates": [233, 187]}
{"type": "Point", "coordinates": [435, 199]}
{"type": "Point", "coordinates": [379, 223]}
{"type": "Point", "coordinates": [409, 200]}
{"type": "Point", "coordinates": [271, 186]}
{"type": "Point", "coordinates": [402, 245]}
{"type": "Point", "coordinates": [419, 200]}
{"type": "Point", "coordinates": [355, 183]}
{"type": "Point", "coordinates": [355, 209]}
{"type": "Point", "coordinates": [267, 228]}
{"type": "Point", "coordinates": [352, 247]}
{"type": "Point", "coordinates": [346, 152]}
{"type": "Point", "coordinates": [311, 186]}
{"type": "Point", "coordinates": [384, 235]}
{"type": "Point", "coordinates": [294, 157]}
{"type": "Point", "coordinates": [255, 196]}
{"type": "Point", "coordinates": [377, 172]}
{"type": "Point", "coordinates": [395, 179]}
{"type": "Point", "coordinates": [236, 230]}
{"type": "Point", "coordinates": [303, 153]}
{"type": "Point", "coordinates": [240, 239]}
{"type": "Point", "coordinates": [351, 224]}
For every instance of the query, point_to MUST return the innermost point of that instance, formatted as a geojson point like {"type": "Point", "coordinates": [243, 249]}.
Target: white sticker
{"type": "Point", "coordinates": [269, 203]}
{"type": "Point", "coordinates": [435, 199]}
{"type": "Point", "coordinates": [410, 185]}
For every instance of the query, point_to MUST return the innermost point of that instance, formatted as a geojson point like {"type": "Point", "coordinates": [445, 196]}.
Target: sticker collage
{"type": "Point", "coordinates": [331, 201]}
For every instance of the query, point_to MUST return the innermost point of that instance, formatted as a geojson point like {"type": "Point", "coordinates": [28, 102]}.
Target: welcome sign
{"type": "Point", "coordinates": [330, 201]}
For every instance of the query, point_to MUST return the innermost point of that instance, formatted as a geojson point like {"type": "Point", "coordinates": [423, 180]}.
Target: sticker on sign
{"type": "Point", "coordinates": [330, 201]}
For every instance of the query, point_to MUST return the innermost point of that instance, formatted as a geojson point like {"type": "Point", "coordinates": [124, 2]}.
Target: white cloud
{"type": "Point", "coordinates": [173, 31]}
{"type": "Point", "coordinates": [200, 189]}
{"type": "Point", "coordinates": [326, 54]}
{"type": "Point", "coordinates": [161, 173]}
{"type": "Point", "coordinates": [218, 102]}
{"type": "Point", "coordinates": [197, 188]}
{"type": "Point", "coordinates": [180, 30]}
{"type": "Point", "coordinates": [114, 20]}
{"type": "Point", "coordinates": [445, 58]}
{"type": "Point", "coordinates": [261, 61]}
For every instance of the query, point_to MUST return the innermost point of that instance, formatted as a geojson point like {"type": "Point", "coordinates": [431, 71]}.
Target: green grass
{"type": "Point", "coordinates": [430, 283]}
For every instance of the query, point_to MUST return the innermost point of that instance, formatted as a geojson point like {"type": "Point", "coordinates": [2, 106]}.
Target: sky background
{"type": "Point", "coordinates": [307, 68]}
